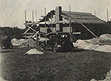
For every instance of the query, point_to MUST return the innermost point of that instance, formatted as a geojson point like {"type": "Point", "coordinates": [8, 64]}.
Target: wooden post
{"type": "Point", "coordinates": [45, 16]}
{"type": "Point", "coordinates": [58, 18]}
{"type": "Point", "coordinates": [51, 20]}
{"type": "Point", "coordinates": [35, 15]}
{"type": "Point", "coordinates": [25, 16]}
{"type": "Point", "coordinates": [94, 12]}
{"type": "Point", "coordinates": [32, 15]}
{"type": "Point", "coordinates": [107, 15]}
{"type": "Point", "coordinates": [70, 18]}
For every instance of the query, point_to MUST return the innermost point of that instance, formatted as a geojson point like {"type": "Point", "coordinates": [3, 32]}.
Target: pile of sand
{"type": "Point", "coordinates": [23, 42]}
{"type": "Point", "coordinates": [28, 43]}
{"type": "Point", "coordinates": [93, 41]}
{"type": "Point", "coordinates": [34, 51]}
{"type": "Point", "coordinates": [108, 77]}
{"type": "Point", "coordinates": [84, 45]}
{"type": "Point", "coordinates": [15, 42]}
{"type": "Point", "coordinates": [104, 48]}
{"type": "Point", "coordinates": [103, 43]}
{"type": "Point", "coordinates": [105, 37]}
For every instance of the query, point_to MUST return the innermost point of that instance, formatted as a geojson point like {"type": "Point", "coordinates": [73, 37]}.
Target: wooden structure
{"type": "Point", "coordinates": [82, 25]}
{"type": "Point", "coordinates": [31, 27]}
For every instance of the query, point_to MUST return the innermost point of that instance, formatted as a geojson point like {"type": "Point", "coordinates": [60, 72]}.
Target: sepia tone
{"type": "Point", "coordinates": [59, 40]}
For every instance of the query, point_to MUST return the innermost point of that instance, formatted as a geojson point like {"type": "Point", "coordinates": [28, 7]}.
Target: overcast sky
{"type": "Point", "coordinates": [12, 11]}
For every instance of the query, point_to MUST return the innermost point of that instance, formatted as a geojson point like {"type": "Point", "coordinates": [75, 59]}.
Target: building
{"type": "Point", "coordinates": [81, 25]}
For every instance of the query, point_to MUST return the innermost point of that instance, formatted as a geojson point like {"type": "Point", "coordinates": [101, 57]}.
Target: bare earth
{"type": "Point", "coordinates": [78, 65]}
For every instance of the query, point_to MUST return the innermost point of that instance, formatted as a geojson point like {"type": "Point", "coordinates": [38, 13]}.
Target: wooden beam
{"type": "Point", "coordinates": [107, 15]}
{"type": "Point", "coordinates": [25, 15]}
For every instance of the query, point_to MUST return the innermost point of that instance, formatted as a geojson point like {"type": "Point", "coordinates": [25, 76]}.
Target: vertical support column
{"type": "Point", "coordinates": [58, 18]}
{"type": "Point", "coordinates": [25, 20]}
{"type": "Point", "coordinates": [32, 15]}
{"type": "Point", "coordinates": [107, 15]}
{"type": "Point", "coordinates": [94, 12]}
{"type": "Point", "coordinates": [51, 20]}
{"type": "Point", "coordinates": [35, 15]}
{"type": "Point", "coordinates": [45, 16]}
{"type": "Point", "coordinates": [70, 19]}
{"type": "Point", "coordinates": [25, 16]}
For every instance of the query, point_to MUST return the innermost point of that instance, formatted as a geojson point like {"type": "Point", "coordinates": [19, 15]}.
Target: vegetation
{"type": "Point", "coordinates": [11, 31]}
{"type": "Point", "coordinates": [8, 33]}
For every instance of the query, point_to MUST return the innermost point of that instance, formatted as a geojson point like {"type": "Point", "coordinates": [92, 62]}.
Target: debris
{"type": "Point", "coordinates": [34, 51]}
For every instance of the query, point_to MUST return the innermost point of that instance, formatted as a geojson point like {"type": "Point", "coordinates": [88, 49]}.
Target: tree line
{"type": "Point", "coordinates": [11, 31]}
{"type": "Point", "coordinates": [7, 34]}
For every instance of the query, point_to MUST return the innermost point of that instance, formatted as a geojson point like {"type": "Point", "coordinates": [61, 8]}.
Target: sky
{"type": "Point", "coordinates": [12, 11]}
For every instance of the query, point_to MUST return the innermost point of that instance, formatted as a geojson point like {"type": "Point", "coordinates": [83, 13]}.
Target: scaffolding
{"type": "Point", "coordinates": [29, 26]}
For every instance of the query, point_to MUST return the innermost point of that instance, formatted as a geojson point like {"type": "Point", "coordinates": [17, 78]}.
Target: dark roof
{"type": "Point", "coordinates": [75, 17]}
{"type": "Point", "coordinates": [81, 17]}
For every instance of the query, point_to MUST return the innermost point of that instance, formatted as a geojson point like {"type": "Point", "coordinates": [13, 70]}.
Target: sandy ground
{"type": "Point", "coordinates": [78, 65]}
